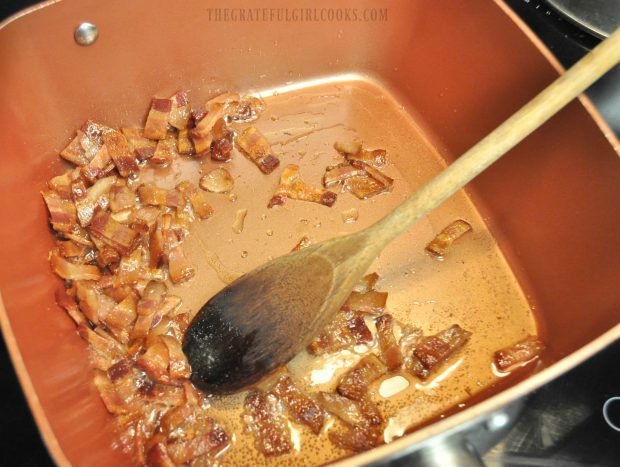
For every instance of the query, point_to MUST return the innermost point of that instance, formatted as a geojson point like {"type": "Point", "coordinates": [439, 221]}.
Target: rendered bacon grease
{"type": "Point", "coordinates": [119, 247]}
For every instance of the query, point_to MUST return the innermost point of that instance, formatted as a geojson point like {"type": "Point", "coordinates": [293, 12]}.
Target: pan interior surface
{"type": "Point", "coordinates": [473, 286]}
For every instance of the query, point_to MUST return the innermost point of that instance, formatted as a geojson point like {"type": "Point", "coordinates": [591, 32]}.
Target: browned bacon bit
{"type": "Point", "coordinates": [165, 152]}
{"type": "Point", "coordinates": [197, 199]}
{"type": "Point", "coordinates": [256, 148]}
{"type": "Point", "coordinates": [152, 195]}
{"type": "Point", "coordinates": [356, 439]}
{"type": "Point", "coordinates": [292, 187]}
{"type": "Point", "coordinates": [221, 146]}
{"type": "Point", "coordinates": [142, 147]}
{"type": "Point", "coordinates": [303, 409]}
{"type": "Point", "coordinates": [121, 317]}
{"type": "Point", "coordinates": [202, 135]}
{"type": "Point", "coordinates": [184, 143]}
{"type": "Point", "coordinates": [179, 268]}
{"type": "Point", "coordinates": [191, 434]}
{"type": "Point", "coordinates": [439, 246]}
{"type": "Point", "coordinates": [92, 302]}
{"type": "Point", "coordinates": [100, 165]}
{"type": "Point", "coordinates": [354, 384]}
{"type": "Point", "coordinates": [121, 155]}
{"type": "Point", "coordinates": [434, 350]}
{"type": "Point", "coordinates": [179, 366]}
{"type": "Point", "coordinates": [371, 185]}
{"type": "Point", "coordinates": [78, 253]}
{"type": "Point", "coordinates": [247, 110]}
{"type": "Point", "coordinates": [86, 144]}
{"type": "Point", "coordinates": [371, 302]}
{"type": "Point", "coordinates": [342, 407]}
{"type": "Point", "coordinates": [390, 350]}
{"type": "Point", "coordinates": [114, 234]}
{"type": "Point", "coordinates": [367, 283]}
{"type": "Point", "coordinates": [520, 353]}
{"type": "Point", "coordinates": [345, 330]}
{"type": "Point", "coordinates": [355, 152]}
{"type": "Point", "coordinates": [122, 198]}
{"type": "Point", "coordinates": [71, 271]}
{"type": "Point", "coordinates": [106, 351]}
{"type": "Point", "coordinates": [156, 126]}
{"type": "Point", "coordinates": [265, 421]}
{"type": "Point", "coordinates": [180, 112]}
{"type": "Point", "coordinates": [61, 184]}
{"type": "Point", "coordinates": [155, 362]}
{"type": "Point", "coordinates": [67, 302]}
{"type": "Point", "coordinates": [97, 197]}
{"type": "Point", "coordinates": [304, 242]}
{"type": "Point", "coordinates": [340, 173]}
{"type": "Point", "coordinates": [63, 215]}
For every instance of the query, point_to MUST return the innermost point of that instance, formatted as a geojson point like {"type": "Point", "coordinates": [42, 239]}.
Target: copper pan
{"type": "Point", "coordinates": [460, 68]}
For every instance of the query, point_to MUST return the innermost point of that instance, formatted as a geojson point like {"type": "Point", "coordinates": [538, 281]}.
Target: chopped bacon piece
{"type": "Point", "coordinates": [106, 350]}
{"type": "Point", "coordinates": [113, 402]}
{"type": "Point", "coordinates": [354, 384]}
{"type": "Point", "coordinates": [97, 197]}
{"type": "Point", "coordinates": [342, 407]}
{"type": "Point", "coordinates": [520, 353]}
{"type": "Point", "coordinates": [345, 330]}
{"type": "Point", "coordinates": [371, 302]}
{"type": "Point", "coordinates": [106, 255]}
{"type": "Point", "coordinates": [184, 143]}
{"type": "Point", "coordinates": [86, 144]}
{"type": "Point", "coordinates": [410, 336]}
{"type": "Point", "coordinates": [367, 283]}
{"type": "Point", "coordinates": [142, 147]}
{"type": "Point", "coordinates": [61, 184]}
{"type": "Point", "coordinates": [221, 146]}
{"type": "Point", "coordinates": [165, 152]}
{"type": "Point", "coordinates": [365, 187]}
{"type": "Point", "coordinates": [303, 409]}
{"type": "Point", "coordinates": [99, 166]}
{"type": "Point", "coordinates": [178, 266]}
{"type": "Point", "coordinates": [68, 303]}
{"type": "Point", "coordinates": [155, 362]}
{"type": "Point", "coordinates": [356, 439]}
{"type": "Point", "coordinates": [157, 456]}
{"type": "Point", "coordinates": [256, 148]}
{"type": "Point", "coordinates": [78, 253]}
{"type": "Point", "coordinates": [114, 234]}
{"type": "Point", "coordinates": [292, 187]}
{"type": "Point", "coordinates": [266, 422]}
{"type": "Point", "coordinates": [71, 271]}
{"type": "Point", "coordinates": [439, 246]}
{"type": "Point", "coordinates": [63, 215]}
{"type": "Point", "coordinates": [247, 110]}
{"type": "Point", "coordinates": [191, 433]}
{"type": "Point", "coordinates": [197, 199]}
{"type": "Point", "coordinates": [202, 134]}
{"type": "Point", "coordinates": [340, 173]}
{"type": "Point", "coordinates": [179, 366]}
{"type": "Point", "coordinates": [121, 198]}
{"type": "Point", "coordinates": [121, 317]}
{"type": "Point", "coordinates": [355, 152]}
{"type": "Point", "coordinates": [180, 112]}
{"type": "Point", "coordinates": [152, 195]}
{"type": "Point", "coordinates": [121, 154]}
{"type": "Point", "coordinates": [304, 242]}
{"type": "Point", "coordinates": [156, 126]}
{"type": "Point", "coordinates": [217, 181]}
{"type": "Point", "coordinates": [92, 301]}
{"type": "Point", "coordinates": [392, 356]}
{"type": "Point", "coordinates": [434, 350]}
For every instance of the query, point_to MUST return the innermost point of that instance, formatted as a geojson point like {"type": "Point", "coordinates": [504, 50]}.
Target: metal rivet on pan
{"type": "Point", "coordinates": [86, 34]}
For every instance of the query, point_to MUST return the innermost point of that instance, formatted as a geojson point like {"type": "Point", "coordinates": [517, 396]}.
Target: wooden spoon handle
{"type": "Point", "coordinates": [501, 140]}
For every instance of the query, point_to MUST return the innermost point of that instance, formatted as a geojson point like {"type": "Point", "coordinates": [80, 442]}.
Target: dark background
{"type": "Point", "coordinates": [566, 412]}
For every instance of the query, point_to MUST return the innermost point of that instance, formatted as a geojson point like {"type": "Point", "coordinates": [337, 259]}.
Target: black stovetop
{"type": "Point", "coordinates": [563, 422]}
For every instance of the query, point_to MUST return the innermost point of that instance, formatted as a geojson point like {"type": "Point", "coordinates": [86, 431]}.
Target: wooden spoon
{"type": "Point", "coordinates": [263, 319]}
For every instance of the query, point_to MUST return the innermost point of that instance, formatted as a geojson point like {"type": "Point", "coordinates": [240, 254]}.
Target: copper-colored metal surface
{"type": "Point", "coordinates": [458, 68]}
